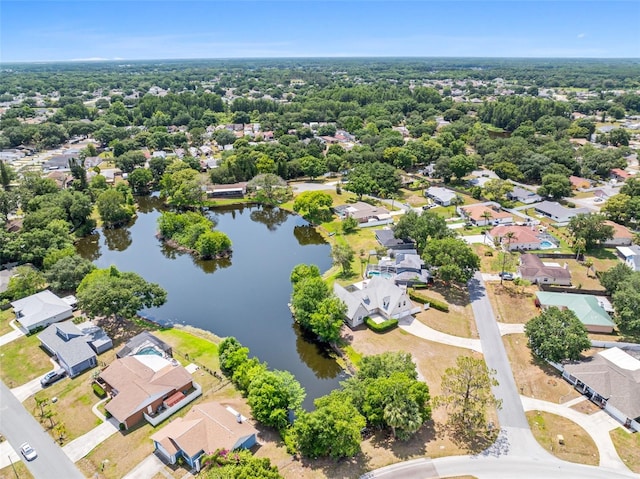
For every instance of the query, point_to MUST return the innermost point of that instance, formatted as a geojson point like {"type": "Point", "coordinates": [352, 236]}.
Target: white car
{"type": "Point", "coordinates": [28, 452]}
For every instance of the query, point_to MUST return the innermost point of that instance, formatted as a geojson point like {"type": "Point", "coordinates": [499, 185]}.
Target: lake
{"type": "Point", "coordinates": [245, 296]}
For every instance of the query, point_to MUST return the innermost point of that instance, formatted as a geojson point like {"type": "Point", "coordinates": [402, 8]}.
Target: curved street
{"type": "Point", "coordinates": [516, 453]}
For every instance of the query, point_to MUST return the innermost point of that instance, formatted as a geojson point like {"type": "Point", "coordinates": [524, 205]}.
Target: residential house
{"type": "Point", "coordinates": [206, 428]}
{"type": "Point", "coordinates": [630, 255]}
{"type": "Point", "coordinates": [40, 310]}
{"type": "Point", "coordinates": [523, 237]}
{"type": "Point", "coordinates": [146, 387]}
{"type": "Point", "coordinates": [524, 196]}
{"type": "Point", "coordinates": [442, 196]}
{"type": "Point", "coordinates": [533, 269]}
{"type": "Point", "coordinates": [622, 236]}
{"type": "Point", "coordinates": [235, 190]}
{"type": "Point", "coordinates": [403, 267]}
{"type": "Point", "coordinates": [386, 238]}
{"type": "Point", "coordinates": [485, 214]}
{"type": "Point", "coordinates": [557, 212]}
{"type": "Point", "coordinates": [378, 296]}
{"type": "Point", "coordinates": [611, 379]}
{"type": "Point", "coordinates": [145, 343]}
{"type": "Point", "coordinates": [578, 183]}
{"type": "Point", "coordinates": [589, 309]}
{"type": "Point", "coordinates": [364, 213]}
{"type": "Point", "coordinates": [75, 347]}
{"type": "Point", "coordinates": [620, 175]}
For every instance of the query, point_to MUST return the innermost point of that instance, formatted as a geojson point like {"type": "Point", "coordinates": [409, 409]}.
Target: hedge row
{"type": "Point", "coordinates": [434, 303]}
{"type": "Point", "coordinates": [385, 326]}
{"type": "Point", "coordinates": [99, 391]}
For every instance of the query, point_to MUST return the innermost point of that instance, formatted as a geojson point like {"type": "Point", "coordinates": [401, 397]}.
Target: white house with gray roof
{"type": "Point", "coordinates": [630, 255]}
{"type": "Point", "coordinates": [442, 196]}
{"type": "Point", "coordinates": [375, 297]}
{"type": "Point", "coordinates": [557, 212]}
{"type": "Point", "coordinates": [40, 310]}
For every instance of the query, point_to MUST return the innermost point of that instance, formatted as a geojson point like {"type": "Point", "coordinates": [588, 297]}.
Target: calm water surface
{"type": "Point", "coordinates": [245, 296]}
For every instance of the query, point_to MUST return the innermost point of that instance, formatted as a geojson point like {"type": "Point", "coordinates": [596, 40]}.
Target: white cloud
{"type": "Point", "coordinates": [582, 35]}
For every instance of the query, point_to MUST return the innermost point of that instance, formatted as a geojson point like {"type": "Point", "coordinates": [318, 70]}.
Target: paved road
{"type": "Point", "coordinates": [18, 426]}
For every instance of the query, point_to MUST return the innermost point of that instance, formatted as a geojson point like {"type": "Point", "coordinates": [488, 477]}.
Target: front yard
{"type": "Point", "coordinates": [23, 360]}
{"type": "Point", "coordinates": [6, 317]}
{"type": "Point", "coordinates": [628, 445]}
{"type": "Point", "coordinates": [511, 303]}
{"type": "Point", "coordinates": [578, 446]}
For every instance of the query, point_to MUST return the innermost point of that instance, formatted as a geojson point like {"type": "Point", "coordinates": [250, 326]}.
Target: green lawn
{"type": "Point", "coordinates": [23, 360]}
{"type": "Point", "coordinates": [192, 342]}
{"type": "Point", "coordinates": [6, 317]}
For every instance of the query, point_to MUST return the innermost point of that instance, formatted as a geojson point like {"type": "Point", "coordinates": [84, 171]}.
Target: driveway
{"type": "Point", "coordinates": [476, 239]}
{"type": "Point", "coordinates": [300, 187]}
{"type": "Point", "coordinates": [421, 330]}
{"type": "Point", "coordinates": [148, 469]}
{"type": "Point", "coordinates": [12, 336]}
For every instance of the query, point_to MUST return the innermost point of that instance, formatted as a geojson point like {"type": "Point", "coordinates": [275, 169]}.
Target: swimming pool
{"type": "Point", "coordinates": [377, 273]}
{"type": "Point", "coordinates": [546, 245]}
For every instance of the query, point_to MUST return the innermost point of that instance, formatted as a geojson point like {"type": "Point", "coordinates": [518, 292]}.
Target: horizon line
{"type": "Point", "coordinates": [318, 57]}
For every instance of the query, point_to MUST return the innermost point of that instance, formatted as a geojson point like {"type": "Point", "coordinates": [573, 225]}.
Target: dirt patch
{"type": "Point", "coordinates": [578, 446]}
{"type": "Point", "coordinates": [511, 303]}
{"type": "Point", "coordinates": [586, 407]}
{"type": "Point", "coordinates": [19, 470]}
{"type": "Point", "coordinates": [533, 377]}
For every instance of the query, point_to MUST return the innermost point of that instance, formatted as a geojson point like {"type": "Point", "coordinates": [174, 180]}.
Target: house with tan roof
{"type": "Point", "coordinates": [485, 214]}
{"type": "Point", "coordinates": [578, 183]}
{"type": "Point", "coordinates": [524, 237]}
{"type": "Point", "coordinates": [622, 236]}
{"type": "Point", "coordinates": [533, 269]}
{"type": "Point", "coordinates": [206, 428]}
{"type": "Point", "coordinates": [611, 379]}
{"type": "Point", "coordinates": [146, 387]}
{"type": "Point", "coordinates": [364, 213]}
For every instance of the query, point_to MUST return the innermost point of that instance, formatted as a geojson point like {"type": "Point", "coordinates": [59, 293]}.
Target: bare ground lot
{"type": "Point", "coordinates": [578, 446]}
{"type": "Point", "coordinates": [512, 304]}
{"type": "Point", "coordinates": [459, 321]}
{"type": "Point", "coordinates": [535, 378]}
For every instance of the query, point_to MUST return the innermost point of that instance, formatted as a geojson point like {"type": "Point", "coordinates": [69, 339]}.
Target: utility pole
{"type": "Point", "coordinates": [13, 467]}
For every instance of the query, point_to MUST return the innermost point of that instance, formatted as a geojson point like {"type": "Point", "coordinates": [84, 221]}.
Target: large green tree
{"type": "Point", "coordinates": [556, 335]}
{"type": "Point", "coordinates": [591, 228]}
{"type": "Point", "coordinates": [111, 293]}
{"type": "Point", "coordinates": [272, 395]}
{"type": "Point", "coordinates": [451, 259]}
{"type": "Point", "coordinates": [313, 205]}
{"type": "Point", "coordinates": [421, 228]}
{"type": "Point", "coordinates": [331, 430]}
{"type": "Point", "coordinates": [66, 274]}
{"type": "Point", "coordinates": [114, 207]}
{"type": "Point", "coordinates": [555, 186]}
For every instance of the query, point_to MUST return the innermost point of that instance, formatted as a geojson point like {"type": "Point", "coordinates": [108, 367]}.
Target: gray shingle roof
{"type": "Point", "coordinates": [68, 343]}
{"type": "Point", "coordinates": [39, 307]}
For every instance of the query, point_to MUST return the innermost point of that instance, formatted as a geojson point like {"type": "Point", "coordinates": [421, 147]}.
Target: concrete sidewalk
{"type": "Point", "coordinates": [81, 446]}
{"type": "Point", "coordinates": [8, 455]}
{"type": "Point", "coordinates": [12, 336]}
{"type": "Point", "coordinates": [596, 425]}
{"type": "Point", "coordinates": [421, 330]}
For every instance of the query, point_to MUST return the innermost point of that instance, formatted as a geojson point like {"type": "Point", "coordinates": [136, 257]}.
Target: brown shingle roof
{"type": "Point", "coordinates": [619, 231]}
{"type": "Point", "coordinates": [475, 212]}
{"type": "Point", "coordinates": [531, 266]}
{"type": "Point", "coordinates": [206, 427]}
{"type": "Point", "coordinates": [138, 384]}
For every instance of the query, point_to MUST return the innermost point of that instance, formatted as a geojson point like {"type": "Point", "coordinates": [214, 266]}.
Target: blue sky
{"type": "Point", "coordinates": [100, 29]}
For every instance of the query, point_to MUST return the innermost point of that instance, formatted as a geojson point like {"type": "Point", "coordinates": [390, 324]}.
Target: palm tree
{"type": "Point", "coordinates": [510, 235]}
{"type": "Point", "coordinates": [579, 246]}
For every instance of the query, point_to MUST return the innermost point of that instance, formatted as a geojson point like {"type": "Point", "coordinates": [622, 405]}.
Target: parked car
{"type": "Point", "coordinates": [28, 452]}
{"type": "Point", "coordinates": [506, 276]}
{"type": "Point", "coordinates": [52, 376]}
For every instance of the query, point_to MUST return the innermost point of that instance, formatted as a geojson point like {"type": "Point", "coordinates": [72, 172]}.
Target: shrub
{"type": "Point", "coordinates": [383, 327]}
{"type": "Point", "coordinates": [97, 389]}
{"type": "Point", "coordinates": [434, 303]}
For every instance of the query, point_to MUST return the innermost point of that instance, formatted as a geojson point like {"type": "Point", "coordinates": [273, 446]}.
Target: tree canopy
{"type": "Point", "coordinates": [557, 335]}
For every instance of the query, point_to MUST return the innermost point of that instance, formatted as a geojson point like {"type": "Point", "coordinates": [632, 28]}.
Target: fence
{"type": "Point", "coordinates": [566, 289]}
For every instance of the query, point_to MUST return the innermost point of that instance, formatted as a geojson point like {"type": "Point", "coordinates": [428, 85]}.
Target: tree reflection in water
{"type": "Point", "coordinates": [315, 355]}
{"type": "Point", "coordinates": [307, 235]}
{"type": "Point", "coordinates": [270, 216]}
{"type": "Point", "coordinates": [117, 239]}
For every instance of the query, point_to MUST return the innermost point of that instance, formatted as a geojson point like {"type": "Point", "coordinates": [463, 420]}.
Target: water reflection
{"type": "Point", "coordinates": [307, 235]}
{"type": "Point", "coordinates": [89, 247]}
{"type": "Point", "coordinates": [270, 217]}
{"type": "Point", "coordinates": [210, 266]}
{"type": "Point", "coordinates": [117, 239]}
{"type": "Point", "coordinates": [314, 355]}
